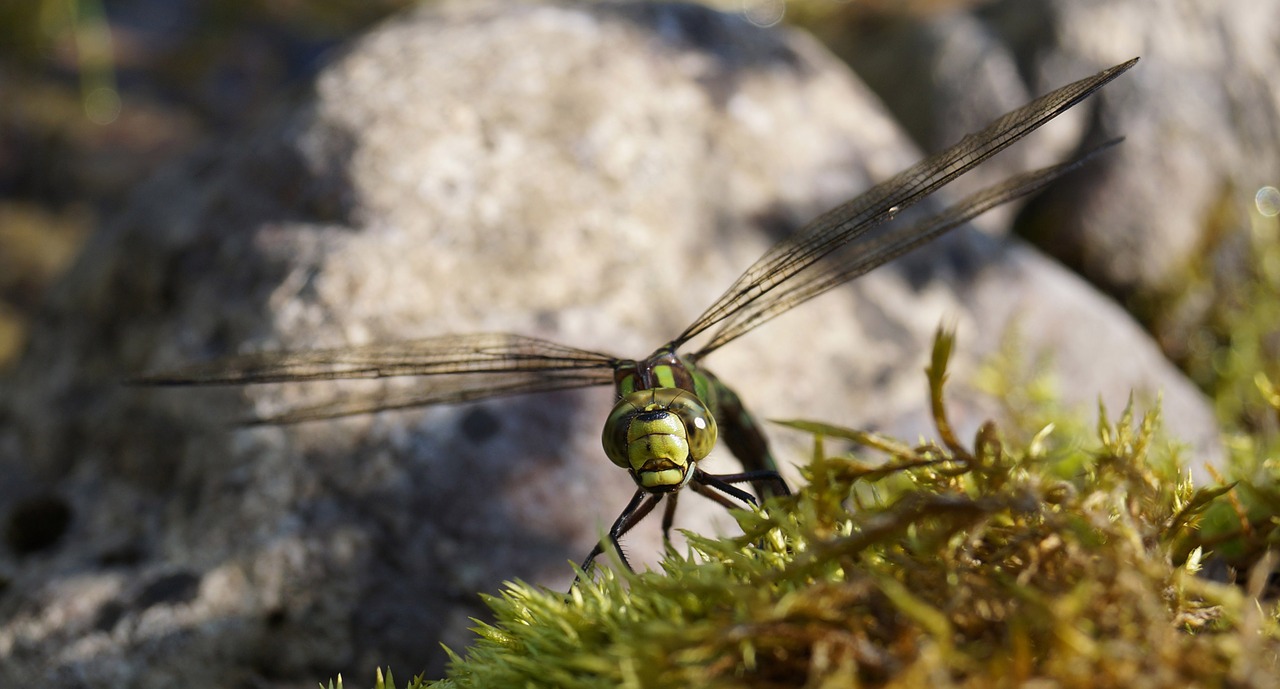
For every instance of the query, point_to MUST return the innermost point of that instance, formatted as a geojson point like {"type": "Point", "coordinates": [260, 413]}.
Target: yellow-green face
{"type": "Point", "coordinates": [658, 435]}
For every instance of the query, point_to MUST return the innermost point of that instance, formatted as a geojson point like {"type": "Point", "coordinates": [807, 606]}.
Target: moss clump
{"type": "Point", "coordinates": [951, 564]}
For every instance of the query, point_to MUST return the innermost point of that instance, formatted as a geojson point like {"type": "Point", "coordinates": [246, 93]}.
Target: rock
{"type": "Point", "coordinates": [1193, 113]}
{"type": "Point", "coordinates": [592, 174]}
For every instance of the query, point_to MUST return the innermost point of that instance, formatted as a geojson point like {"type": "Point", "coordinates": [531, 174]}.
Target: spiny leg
{"type": "Point", "coordinates": [642, 503]}
{"type": "Point", "coordinates": [668, 518]}
{"type": "Point", "coordinates": [766, 477]}
{"type": "Point", "coordinates": [718, 486]}
{"type": "Point", "coordinates": [714, 495]}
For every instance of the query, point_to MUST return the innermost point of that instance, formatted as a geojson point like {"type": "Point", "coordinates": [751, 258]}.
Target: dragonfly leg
{"type": "Point", "coordinates": [704, 483]}
{"type": "Point", "coordinates": [717, 486]}
{"type": "Point", "coordinates": [668, 518]}
{"type": "Point", "coordinates": [765, 477]}
{"type": "Point", "coordinates": [711, 494]}
{"type": "Point", "coordinates": [642, 503]}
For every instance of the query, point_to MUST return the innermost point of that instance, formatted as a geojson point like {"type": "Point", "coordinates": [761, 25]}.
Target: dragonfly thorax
{"type": "Point", "coordinates": [658, 435]}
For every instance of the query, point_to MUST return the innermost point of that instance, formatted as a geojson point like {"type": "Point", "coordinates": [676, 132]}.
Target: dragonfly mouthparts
{"type": "Point", "coordinates": [662, 475]}
{"type": "Point", "coordinates": [659, 464]}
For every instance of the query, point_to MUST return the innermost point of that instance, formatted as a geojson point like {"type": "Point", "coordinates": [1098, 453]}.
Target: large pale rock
{"type": "Point", "coordinates": [594, 174]}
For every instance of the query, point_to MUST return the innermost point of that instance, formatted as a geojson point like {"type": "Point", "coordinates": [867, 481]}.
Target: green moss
{"type": "Point", "coordinates": [969, 564]}
{"type": "Point", "coordinates": [1220, 321]}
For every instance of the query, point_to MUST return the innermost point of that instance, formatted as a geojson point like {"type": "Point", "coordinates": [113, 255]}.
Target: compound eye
{"type": "Point", "coordinates": [699, 424]}
{"type": "Point", "coordinates": [616, 427]}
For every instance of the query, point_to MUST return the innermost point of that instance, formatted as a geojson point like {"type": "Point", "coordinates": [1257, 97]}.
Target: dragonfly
{"type": "Point", "coordinates": [670, 409]}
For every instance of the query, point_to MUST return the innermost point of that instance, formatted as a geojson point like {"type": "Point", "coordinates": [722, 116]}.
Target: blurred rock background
{"type": "Point", "coordinates": [97, 96]}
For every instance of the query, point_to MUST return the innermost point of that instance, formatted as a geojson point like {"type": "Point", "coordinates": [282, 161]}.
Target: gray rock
{"type": "Point", "coordinates": [1199, 114]}
{"type": "Point", "coordinates": [592, 174]}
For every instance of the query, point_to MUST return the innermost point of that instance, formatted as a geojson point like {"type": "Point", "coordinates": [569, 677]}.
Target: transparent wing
{"type": "Point", "coordinates": [494, 353]}
{"type": "Point", "coordinates": [447, 389]}
{"type": "Point", "coordinates": [457, 368]}
{"type": "Point", "coordinates": [757, 291]}
{"type": "Point", "coordinates": [872, 250]}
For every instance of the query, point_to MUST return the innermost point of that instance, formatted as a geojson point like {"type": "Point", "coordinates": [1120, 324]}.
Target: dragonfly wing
{"type": "Point", "coordinates": [842, 225]}
{"type": "Point", "coordinates": [490, 353]}
{"type": "Point", "coordinates": [874, 249]}
{"type": "Point", "coordinates": [454, 368]}
{"type": "Point", "coordinates": [446, 389]}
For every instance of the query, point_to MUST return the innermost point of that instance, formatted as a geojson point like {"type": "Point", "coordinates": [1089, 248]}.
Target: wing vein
{"type": "Point", "coordinates": [838, 227]}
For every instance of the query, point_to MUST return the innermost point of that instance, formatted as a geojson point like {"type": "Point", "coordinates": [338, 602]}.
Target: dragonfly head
{"type": "Point", "coordinates": [658, 435]}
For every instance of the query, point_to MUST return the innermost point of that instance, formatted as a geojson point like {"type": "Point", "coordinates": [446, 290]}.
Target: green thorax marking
{"type": "Point", "coordinates": [664, 369]}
